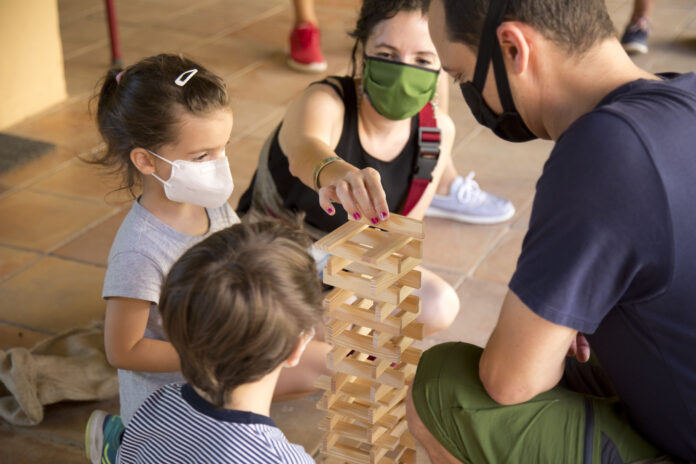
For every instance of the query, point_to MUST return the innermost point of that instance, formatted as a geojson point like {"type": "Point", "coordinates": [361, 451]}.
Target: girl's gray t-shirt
{"type": "Point", "coordinates": [143, 251]}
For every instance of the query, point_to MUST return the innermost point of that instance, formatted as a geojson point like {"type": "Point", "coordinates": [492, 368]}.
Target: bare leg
{"type": "Point", "coordinates": [440, 302]}
{"type": "Point", "coordinates": [438, 454]}
{"type": "Point", "coordinates": [298, 381]}
{"type": "Point", "coordinates": [304, 12]}
{"type": "Point", "coordinates": [642, 9]}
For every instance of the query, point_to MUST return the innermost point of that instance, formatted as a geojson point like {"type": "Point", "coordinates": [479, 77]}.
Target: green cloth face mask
{"type": "Point", "coordinates": [398, 90]}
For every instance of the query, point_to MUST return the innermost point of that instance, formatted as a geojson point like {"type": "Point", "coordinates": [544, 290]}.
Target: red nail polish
{"type": "Point", "coordinates": [356, 216]}
{"type": "Point", "coordinates": [375, 220]}
{"type": "Point", "coordinates": [330, 210]}
{"type": "Point", "coordinates": [384, 215]}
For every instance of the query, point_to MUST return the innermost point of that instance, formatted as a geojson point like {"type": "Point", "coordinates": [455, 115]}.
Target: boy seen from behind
{"type": "Point", "coordinates": [238, 307]}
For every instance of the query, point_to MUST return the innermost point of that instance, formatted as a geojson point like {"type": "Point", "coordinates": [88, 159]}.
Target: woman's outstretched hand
{"type": "Point", "coordinates": [361, 194]}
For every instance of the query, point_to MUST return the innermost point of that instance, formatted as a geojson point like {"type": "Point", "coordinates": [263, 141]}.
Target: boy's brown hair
{"type": "Point", "coordinates": [234, 305]}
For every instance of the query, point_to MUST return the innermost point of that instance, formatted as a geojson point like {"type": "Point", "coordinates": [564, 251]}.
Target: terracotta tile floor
{"type": "Point", "coordinates": [58, 218]}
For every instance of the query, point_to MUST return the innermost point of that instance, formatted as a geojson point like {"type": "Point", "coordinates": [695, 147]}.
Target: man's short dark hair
{"type": "Point", "coordinates": [574, 25]}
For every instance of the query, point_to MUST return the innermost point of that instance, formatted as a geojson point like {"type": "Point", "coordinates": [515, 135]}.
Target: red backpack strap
{"type": "Point", "coordinates": [428, 154]}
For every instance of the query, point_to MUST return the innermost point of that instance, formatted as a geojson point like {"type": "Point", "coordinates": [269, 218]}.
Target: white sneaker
{"type": "Point", "coordinates": [466, 202]}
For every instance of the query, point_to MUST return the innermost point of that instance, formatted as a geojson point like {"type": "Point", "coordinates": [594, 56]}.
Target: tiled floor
{"type": "Point", "coordinates": [57, 218]}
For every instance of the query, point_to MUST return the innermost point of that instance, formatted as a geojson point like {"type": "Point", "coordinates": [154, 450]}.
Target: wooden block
{"type": "Point", "coordinates": [357, 432]}
{"type": "Point", "coordinates": [394, 397]}
{"type": "Point", "coordinates": [335, 264]}
{"type": "Point", "coordinates": [331, 418]}
{"type": "Point", "coordinates": [326, 459]}
{"type": "Point", "coordinates": [362, 287]}
{"type": "Point", "coordinates": [367, 413]}
{"type": "Point", "coordinates": [389, 421]}
{"type": "Point", "coordinates": [334, 328]}
{"type": "Point", "coordinates": [380, 338]}
{"type": "Point", "coordinates": [409, 456]}
{"type": "Point", "coordinates": [363, 392]}
{"type": "Point", "coordinates": [382, 310]}
{"type": "Point", "coordinates": [394, 243]}
{"type": "Point", "coordinates": [407, 438]}
{"type": "Point", "coordinates": [412, 304]}
{"type": "Point", "coordinates": [404, 225]}
{"type": "Point", "coordinates": [394, 456]}
{"type": "Point", "coordinates": [394, 377]}
{"type": "Point", "coordinates": [348, 454]}
{"type": "Point", "coordinates": [415, 330]}
{"type": "Point", "coordinates": [323, 382]}
{"type": "Point", "coordinates": [336, 355]}
{"type": "Point", "coordinates": [350, 281]}
{"type": "Point", "coordinates": [355, 252]}
{"type": "Point", "coordinates": [330, 439]}
{"type": "Point", "coordinates": [366, 318]}
{"type": "Point", "coordinates": [336, 297]}
{"type": "Point", "coordinates": [375, 237]}
{"type": "Point", "coordinates": [410, 278]}
{"type": "Point", "coordinates": [401, 324]}
{"type": "Point", "coordinates": [411, 355]}
{"type": "Point", "coordinates": [381, 279]}
{"type": "Point", "coordinates": [338, 380]}
{"type": "Point", "coordinates": [344, 233]}
{"type": "Point", "coordinates": [390, 351]}
{"type": "Point", "coordinates": [381, 366]}
{"type": "Point", "coordinates": [378, 451]}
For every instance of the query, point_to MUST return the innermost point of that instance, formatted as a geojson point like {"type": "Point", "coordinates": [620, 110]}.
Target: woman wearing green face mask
{"type": "Point", "coordinates": [348, 146]}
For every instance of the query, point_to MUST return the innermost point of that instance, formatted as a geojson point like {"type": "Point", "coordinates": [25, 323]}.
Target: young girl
{"type": "Point", "coordinates": [166, 121]}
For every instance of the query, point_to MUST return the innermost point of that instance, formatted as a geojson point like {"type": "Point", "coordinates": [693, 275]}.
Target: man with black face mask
{"type": "Point", "coordinates": [609, 261]}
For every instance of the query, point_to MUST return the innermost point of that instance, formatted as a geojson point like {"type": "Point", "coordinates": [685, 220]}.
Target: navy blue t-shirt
{"type": "Point", "coordinates": [611, 249]}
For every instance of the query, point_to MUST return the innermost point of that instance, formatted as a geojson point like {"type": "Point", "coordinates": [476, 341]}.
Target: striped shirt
{"type": "Point", "coordinates": [176, 425]}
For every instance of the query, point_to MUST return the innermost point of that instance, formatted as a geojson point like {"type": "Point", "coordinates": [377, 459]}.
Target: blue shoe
{"type": "Point", "coordinates": [635, 38]}
{"type": "Point", "coordinates": [103, 437]}
{"type": "Point", "coordinates": [466, 202]}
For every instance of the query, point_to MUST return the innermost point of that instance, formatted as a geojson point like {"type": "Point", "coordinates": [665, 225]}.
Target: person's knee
{"type": "Point", "coordinates": [435, 450]}
{"type": "Point", "coordinates": [414, 423]}
{"type": "Point", "coordinates": [443, 307]}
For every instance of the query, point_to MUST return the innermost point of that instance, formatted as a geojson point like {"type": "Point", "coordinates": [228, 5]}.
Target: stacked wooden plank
{"type": "Point", "coordinates": [371, 327]}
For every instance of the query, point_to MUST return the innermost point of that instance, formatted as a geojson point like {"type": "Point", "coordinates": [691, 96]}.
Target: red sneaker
{"type": "Point", "coordinates": [305, 49]}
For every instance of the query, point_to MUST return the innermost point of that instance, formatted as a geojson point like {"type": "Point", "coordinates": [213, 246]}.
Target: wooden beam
{"type": "Point", "coordinates": [344, 233]}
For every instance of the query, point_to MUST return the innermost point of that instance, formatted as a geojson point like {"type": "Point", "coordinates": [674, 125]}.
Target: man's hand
{"type": "Point", "coordinates": [580, 348]}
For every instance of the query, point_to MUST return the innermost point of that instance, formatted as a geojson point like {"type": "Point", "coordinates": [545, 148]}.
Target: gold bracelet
{"type": "Point", "coordinates": [321, 165]}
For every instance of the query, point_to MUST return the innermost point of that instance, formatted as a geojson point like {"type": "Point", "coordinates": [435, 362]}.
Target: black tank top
{"type": "Point", "coordinates": [396, 174]}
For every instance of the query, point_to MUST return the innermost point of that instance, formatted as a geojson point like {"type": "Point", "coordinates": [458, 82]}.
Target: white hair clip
{"type": "Point", "coordinates": [184, 77]}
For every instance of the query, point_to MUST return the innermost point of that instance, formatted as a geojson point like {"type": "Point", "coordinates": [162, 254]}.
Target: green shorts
{"type": "Point", "coordinates": [558, 426]}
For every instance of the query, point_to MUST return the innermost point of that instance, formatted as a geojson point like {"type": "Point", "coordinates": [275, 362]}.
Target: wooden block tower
{"type": "Point", "coordinates": [371, 328]}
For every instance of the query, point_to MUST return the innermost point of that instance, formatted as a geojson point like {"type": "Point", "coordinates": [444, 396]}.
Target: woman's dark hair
{"type": "Point", "coordinates": [372, 13]}
{"type": "Point", "coordinates": [234, 306]}
{"type": "Point", "coordinates": [139, 107]}
{"type": "Point", "coordinates": [571, 24]}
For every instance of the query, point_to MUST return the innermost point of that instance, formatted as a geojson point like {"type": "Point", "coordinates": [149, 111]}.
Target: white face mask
{"type": "Point", "coordinates": [206, 183]}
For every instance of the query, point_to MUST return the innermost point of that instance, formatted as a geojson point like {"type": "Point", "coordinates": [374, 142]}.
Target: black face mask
{"type": "Point", "coordinates": [508, 125]}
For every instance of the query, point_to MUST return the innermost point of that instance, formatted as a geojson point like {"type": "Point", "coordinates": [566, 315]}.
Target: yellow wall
{"type": "Point", "coordinates": [31, 59]}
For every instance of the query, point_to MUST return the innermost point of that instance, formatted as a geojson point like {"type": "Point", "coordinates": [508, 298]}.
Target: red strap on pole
{"type": "Point", "coordinates": [429, 151]}
{"type": "Point", "coordinates": [113, 34]}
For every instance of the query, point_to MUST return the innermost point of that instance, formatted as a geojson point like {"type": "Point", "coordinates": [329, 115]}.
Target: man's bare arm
{"type": "Point", "coordinates": [525, 355]}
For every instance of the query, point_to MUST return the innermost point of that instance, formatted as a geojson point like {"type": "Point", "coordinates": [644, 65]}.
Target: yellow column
{"type": "Point", "coordinates": [32, 76]}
